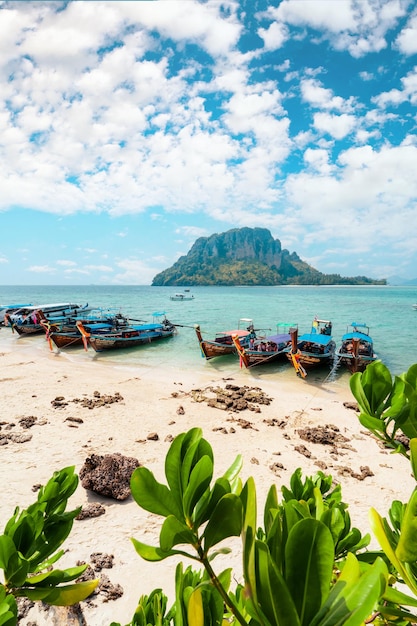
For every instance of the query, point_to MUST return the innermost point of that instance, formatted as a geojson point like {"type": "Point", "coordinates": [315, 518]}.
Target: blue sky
{"type": "Point", "coordinates": [129, 129]}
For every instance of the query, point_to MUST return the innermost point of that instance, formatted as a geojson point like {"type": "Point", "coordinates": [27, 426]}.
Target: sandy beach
{"type": "Point", "coordinates": [144, 410]}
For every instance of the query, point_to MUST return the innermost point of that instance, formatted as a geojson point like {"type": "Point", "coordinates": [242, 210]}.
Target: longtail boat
{"type": "Point", "coordinates": [222, 343]}
{"type": "Point", "coordinates": [312, 349]}
{"type": "Point", "coordinates": [265, 349]}
{"type": "Point", "coordinates": [27, 320]}
{"type": "Point", "coordinates": [356, 350]}
{"type": "Point", "coordinates": [129, 337]}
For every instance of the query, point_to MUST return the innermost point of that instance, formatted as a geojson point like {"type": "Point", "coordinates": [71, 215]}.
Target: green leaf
{"type": "Point", "coordinates": [354, 596]}
{"type": "Point", "coordinates": [62, 596]}
{"type": "Point", "coordinates": [273, 596]}
{"type": "Point", "coordinates": [225, 521]}
{"type": "Point", "coordinates": [407, 544]}
{"type": "Point", "coordinates": [199, 480]}
{"type": "Point", "coordinates": [175, 457]}
{"type": "Point", "coordinates": [56, 577]}
{"type": "Point", "coordinates": [150, 553]}
{"type": "Point", "coordinates": [174, 532]}
{"type": "Point", "coordinates": [195, 613]}
{"type": "Point", "coordinates": [152, 495]}
{"type": "Point", "coordinates": [309, 556]}
{"type": "Point", "coordinates": [413, 456]}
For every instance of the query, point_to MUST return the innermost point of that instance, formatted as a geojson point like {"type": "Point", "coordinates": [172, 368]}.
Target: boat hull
{"type": "Point", "coordinates": [220, 346]}
{"type": "Point", "coordinates": [118, 342]}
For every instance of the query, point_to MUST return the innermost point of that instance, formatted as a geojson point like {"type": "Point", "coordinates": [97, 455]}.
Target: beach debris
{"type": "Point", "coordinates": [303, 450]}
{"type": "Point", "coordinates": [27, 422]}
{"type": "Point", "coordinates": [23, 607]}
{"type": "Point", "coordinates": [276, 468]}
{"type": "Point", "coordinates": [108, 475]}
{"type": "Point", "coordinates": [59, 402]}
{"type": "Point", "coordinates": [77, 420]}
{"type": "Point", "coordinates": [109, 590]}
{"type": "Point", "coordinates": [326, 435]}
{"type": "Point", "coordinates": [354, 406]}
{"type": "Point", "coordinates": [153, 437]}
{"type": "Point", "coordinates": [98, 400]}
{"type": "Point", "coordinates": [232, 397]}
{"type": "Point", "coordinates": [100, 560]}
{"type": "Point", "coordinates": [68, 615]}
{"type": "Point", "coordinates": [5, 438]}
{"type": "Point", "coordinates": [180, 410]}
{"type": "Point", "coordinates": [365, 471]}
{"type": "Point", "coordinates": [93, 509]}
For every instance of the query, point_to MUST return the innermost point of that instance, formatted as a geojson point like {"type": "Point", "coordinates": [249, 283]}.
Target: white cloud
{"type": "Point", "coordinates": [66, 263]}
{"type": "Point", "coordinates": [41, 269]}
{"type": "Point", "coordinates": [338, 126]}
{"type": "Point", "coordinates": [407, 39]}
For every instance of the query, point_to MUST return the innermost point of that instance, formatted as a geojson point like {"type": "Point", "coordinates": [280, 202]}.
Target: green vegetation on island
{"type": "Point", "coordinates": [247, 256]}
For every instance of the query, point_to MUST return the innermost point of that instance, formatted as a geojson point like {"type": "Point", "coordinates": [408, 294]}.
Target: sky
{"type": "Point", "coordinates": [130, 129]}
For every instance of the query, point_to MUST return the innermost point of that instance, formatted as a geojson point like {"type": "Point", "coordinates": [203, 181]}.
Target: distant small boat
{"type": "Point", "coordinates": [182, 296]}
{"type": "Point", "coordinates": [357, 348]}
{"type": "Point", "coordinates": [312, 349]}
{"type": "Point", "coordinates": [265, 349]}
{"type": "Point", "coordinates": [222, 343]}
{"type": "Point", "coordinates": [415, 306]}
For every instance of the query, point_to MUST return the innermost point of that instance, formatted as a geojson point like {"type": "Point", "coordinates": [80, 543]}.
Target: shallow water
{"type": "Point", "coordinates": [386, 310]}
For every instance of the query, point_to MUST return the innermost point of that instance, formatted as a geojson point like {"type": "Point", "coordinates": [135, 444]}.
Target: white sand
{"type": "Point", "coordinates": [30, 379]}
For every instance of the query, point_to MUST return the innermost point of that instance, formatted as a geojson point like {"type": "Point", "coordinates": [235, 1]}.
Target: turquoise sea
{"type": "Point", "coordinates": [386, 310]}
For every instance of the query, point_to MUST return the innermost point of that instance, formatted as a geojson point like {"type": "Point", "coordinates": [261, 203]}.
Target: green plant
{"type": "Point", "coordinates": [388, 406]}
{"type": "Point", "coordinates": [299, 569]}
{"type": "Point", "coordinates": [28, 548]}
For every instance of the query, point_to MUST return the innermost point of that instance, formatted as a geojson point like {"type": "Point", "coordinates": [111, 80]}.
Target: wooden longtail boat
{"type": "Point", "coordinates": [222, 344]}
{"type": "Point", "coordinates": [312, 349]}
{"type": "Point", "coordinates": [27, 320]}
{"type": "Point", "coordinates": [66, 334]}
{"type": "Point", "coordinates": [266, 349]}
{"type": "Point", "coordinates": [356, 350]}
{"type": "Point", "coordinates": [129, 337]}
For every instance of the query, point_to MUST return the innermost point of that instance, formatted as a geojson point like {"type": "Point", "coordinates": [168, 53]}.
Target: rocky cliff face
{"type": "Point", "coordinates": [240, 244]}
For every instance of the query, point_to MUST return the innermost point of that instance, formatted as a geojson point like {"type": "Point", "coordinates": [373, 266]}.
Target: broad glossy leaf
{"type": "Point", "coordinates": [56, 576]}
{"type": "Point", "coordinates": [199, 480]}
{"type": "Point", "coordinates": [151, 553]}
{"type": "Point", "coordinates": [152, 495]}
{"type": "Point", "coordinates": [248, 498]}
{"type": "Point", "coordinates": [7, 551]}
{"type": "Point", "coordinates": [174, 532]}
{"type": "Point", "coordinates": [413, 456]}
{"type": "Point", "coordinates": [206, 505]}
{"type": "Point", "coordinates": [309, 557]}
{"type": "Point", "coordinates": [374, 424]}
{"type": "Point", "coordinates": [380, 531]}
{"type": "Point", "coordinates": [194, 453]}
{"type": "Point", "coordinates": [232, 473]}
{"type": "Point", "coordinates": [63, 596]}
{"type": "Point", "coordinates": [407, 545]}
{"type": "Point", "coordinates": [354, 596]}
{"type": "Point", "coordinates": [195, 612]}
{"type": "Point", "coordinates": [225, 521]}
{"type": "Point", "coordinates": [271, 504]}
{"type": "Point", "coordinates": [273, 596]}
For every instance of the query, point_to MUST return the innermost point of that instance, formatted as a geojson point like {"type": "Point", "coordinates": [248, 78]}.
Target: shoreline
{"type": "Point", "coordinates": [164, 402]}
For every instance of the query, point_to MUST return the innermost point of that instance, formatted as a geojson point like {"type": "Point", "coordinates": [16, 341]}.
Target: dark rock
{"type": "Point", "coordinates": [94, 509]}
{"type": "Point", "coordinates": [100, 560]}
{"type": "Point", "coordinates": [108, 475]}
